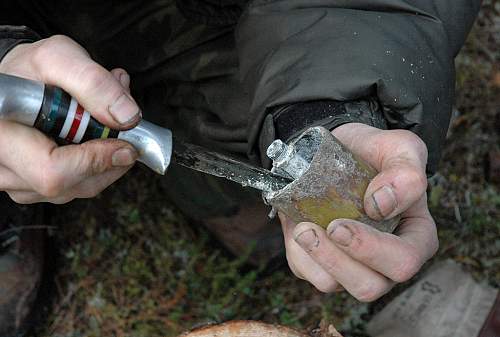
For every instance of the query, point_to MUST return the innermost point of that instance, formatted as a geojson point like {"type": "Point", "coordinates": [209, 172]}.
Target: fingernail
{"type": "Point", "coordinates": [341, 234]}
{"type": "Point", "coordinates": [384, 201]}
{"type": "Point", "coordinates": [307, 239]}
{"type": "Point", "coordinates": [124, 110]}
{"type": "Point", "coordinates": [124, 157]}
{"type": "Point", "coordinates": [124, 80]}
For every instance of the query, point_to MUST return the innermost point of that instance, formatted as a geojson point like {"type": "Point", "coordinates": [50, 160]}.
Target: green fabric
{"type": "Point", "coordinates": [210, 69]}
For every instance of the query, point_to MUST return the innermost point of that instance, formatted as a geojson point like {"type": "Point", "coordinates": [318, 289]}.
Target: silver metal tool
{"type": "Point", "coordinates": [57, 114]}
{"type": "Point", "coordinates": [216, 164]}
{"type": "Point", "coordinates": [315, 178]}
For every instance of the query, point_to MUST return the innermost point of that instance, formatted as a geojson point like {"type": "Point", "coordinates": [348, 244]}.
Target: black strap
{"type": "Point", "coordinates": [291, 119]}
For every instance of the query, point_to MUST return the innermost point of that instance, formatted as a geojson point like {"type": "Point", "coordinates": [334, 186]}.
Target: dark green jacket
{"type": "Point", "coordinates": [305, 62]}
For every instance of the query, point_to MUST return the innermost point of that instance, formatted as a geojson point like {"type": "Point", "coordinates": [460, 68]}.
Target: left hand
{"type": "Point", "coordinates": [353, 256]}
{"type": "Point", "coordinates": [32, 167]}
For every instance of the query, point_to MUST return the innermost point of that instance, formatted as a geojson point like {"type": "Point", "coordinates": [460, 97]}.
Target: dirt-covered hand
{"type": "Point", "coordinates": [356, 257]}
{"type": "Point", "coordinates": [32, 167]}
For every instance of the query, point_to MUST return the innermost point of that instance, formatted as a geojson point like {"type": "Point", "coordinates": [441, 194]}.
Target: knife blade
{"type": "Point", "coordinates": [54, 112]}
{"type": "Point", "coordinates": [216, 164]}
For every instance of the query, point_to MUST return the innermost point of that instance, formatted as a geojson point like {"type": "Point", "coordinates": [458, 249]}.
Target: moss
{"type": "Point", "coordinates": [131, 265]}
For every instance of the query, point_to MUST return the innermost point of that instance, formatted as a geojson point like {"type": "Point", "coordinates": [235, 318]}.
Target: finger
{"type": "Point", "coordinates": [52, 170]}
{"type": "Point", "coordinates": [25, 197]}
{"type": "Point", "coordinates": [28, 198]}
{"type": "Point", "coordinates": [11, 181]}
{"type": "Point", "coordinates": [400, 156]}
{"type": "Point", "coordinates": [123, 77]}
{"type": "Point", "coordinates": [88, 189]}
{"type": "Point", "coordinates": [419, 229]}
{"type": "Point", "coordinates": [62, 62]}
{"type": "Point", "coordinates": [73, 164]}
{"type": "Point", "coordinates": [91, 187]}
{"type": "Point", "coordinates": [400, 184]}
{"type": "Point", "coordinates": [397, 257]}
{"type": "Point", "coordinates": [360, 281]}
{"type": "Point", "coordinates": [302, 265]}
{"type": "Point", "coordinates": [382, 145]}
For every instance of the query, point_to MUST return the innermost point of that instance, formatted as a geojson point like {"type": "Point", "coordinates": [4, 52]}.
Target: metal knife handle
{"type": "Point", "coordinates": [63, 117]}
{"type": "Point", "coordinates": [54, 112]}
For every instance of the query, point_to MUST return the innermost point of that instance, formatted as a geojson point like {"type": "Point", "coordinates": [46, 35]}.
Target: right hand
{"type": "Point", "coordinates": [356, 257]}
{"type": "Point", "coordinates": [32, 167]}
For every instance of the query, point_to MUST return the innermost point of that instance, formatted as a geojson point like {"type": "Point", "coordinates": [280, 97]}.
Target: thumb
{"type": "Point", "coordinates": [91, 158]}
{"type": "Point", "coordinates": [51, 170]}
{"type": "Point", "coordinates": [62, 62]}
{"type": "Point", "coordinates": [399, 185]}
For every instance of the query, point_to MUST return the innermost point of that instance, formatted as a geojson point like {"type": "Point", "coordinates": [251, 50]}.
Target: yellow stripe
{"type": "Point", "coordinates": [105, 133]}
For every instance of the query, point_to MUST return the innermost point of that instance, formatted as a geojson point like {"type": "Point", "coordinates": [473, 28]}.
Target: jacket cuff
{"type": "Point", "coordinates": [292, 119]}
{"type": "Point", "coordinates": [11, 36]}
{"type": "Point", "coordinates": [288, 121]}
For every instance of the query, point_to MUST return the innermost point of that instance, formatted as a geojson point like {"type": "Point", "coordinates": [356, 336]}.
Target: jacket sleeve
{"type": "Point", "coordinates": [399, 53]}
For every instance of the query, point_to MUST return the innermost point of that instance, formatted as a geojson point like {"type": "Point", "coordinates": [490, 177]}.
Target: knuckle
{"type": "Point", "coordinates": [93, 77]}
{"type": "Point", "coordinates": [418, 144]}
{"type": "Point", "coordinates": [370, 291]}
{"type": "Point", "coordinates": [93, 160]}
{"type": "Point", "coordinates": [414, 177]}
{"type": "Point", "coordinates": [46, 48]}
{"type": "Point", "coordinates": [58, 39]}
{"type": "Point", "coordinates": [50, 183]}
{"type": "Point", "coordinates": [41, 54]}
{"type": "Point", "coordinates": [363, 246]}
{"type": "Point", "coordinates": [330, 265]}
{"type": "Point", "coordinates": [408, 267]}
{"type": "Point", "coordinates": [412, 141]}
{"type": "Point", "coordinates": [419, 178]}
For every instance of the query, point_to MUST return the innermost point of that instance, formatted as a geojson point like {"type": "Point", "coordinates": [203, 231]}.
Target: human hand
{"type": "Point", "coordinates": [356, 257]}
{"type": "Point", "coordinates": [32, 167]}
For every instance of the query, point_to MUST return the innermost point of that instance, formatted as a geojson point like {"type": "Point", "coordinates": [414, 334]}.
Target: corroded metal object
{"type": "Point", "coordinates": [332, 187]}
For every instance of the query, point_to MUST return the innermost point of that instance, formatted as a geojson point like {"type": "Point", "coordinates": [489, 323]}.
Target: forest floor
{"type": "Point", "coordinates": [127, 263]}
